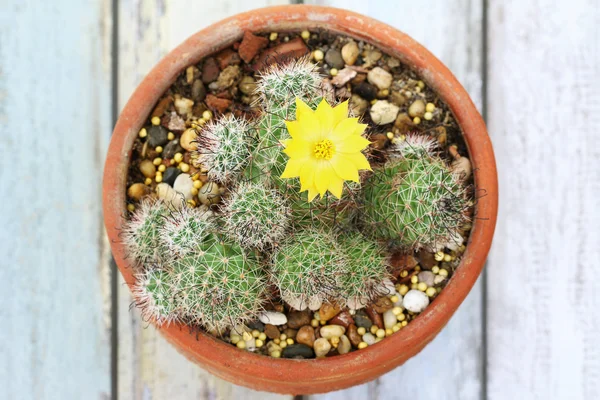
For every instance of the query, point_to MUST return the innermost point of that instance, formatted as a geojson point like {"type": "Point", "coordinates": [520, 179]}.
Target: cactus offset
{"type": "Point", "coordinates": [154, 293]}
{"type": "Point", "coordinates": [185, 230]}
{"type": "Point", "coordinates": [141, 233]}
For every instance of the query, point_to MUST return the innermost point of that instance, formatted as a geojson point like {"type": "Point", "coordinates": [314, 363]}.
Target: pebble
{"type": "Point", "coordinates": [157, 136]}
{"type": "Point", "coordinates": [389, 319]}
{"type": "Point", "coordinates": [398, 99]}
{"type": "Point", "coordinates": [400, 298]}
{"type": "Point", "coordinates": [256, 324]}
{"type": "Point", "coordinates": [227, 78]}
{"type": "Point", "coordinates": [137, 191]}
{"type": "Point", "coordinates": [314, 303]}
{"type": "Point", "coordinates": [380, 78]}
{"type": "Point", "coordinates": [227, 57]}
{"type": "Point", "coordinates": [247, 85]}
{"type": "Point", "coordinates": [426, 277]}
{"type": "Point", "coordinates": [382, 305]}
{"type": "Point", "coordinates": [366, 91]}
{"type": "Point", "coordinates": [343, 318]}
{"type": "Point", "coordinates": [369, 338]}
{"type": "Point", "coordinates": [415, 301]}
{"type": "Point", "coordinates": [329, 331]}
{"type": "Point", "coordinates": [297, 319]}
{"type": "Point", "coordinates": [343, 76]}
{"type": "Point", "coordinates": [271, 331]}
{"type": "Point", "coordinates": [184, 106]}
{"type": "Point", "coordinates": [321, 347]}
{"type": "Point", "coordinates": [198, 90]}
{"type": "Point", "coordinates": [175, 123]}
{"type": "Point", "coordinates": [462, 166]}
{"type": "Point", "coordinates": [170, 175]}
{"type": "Point", "coordinates": [356, 303]}
{"type": "Point", "coordinates": [403, 123]}
{"type": "Point", "coordinates": [353, 335]}
{"type": "Point", "coordinates": [209, 194]}
{"type": "Point", "coordinates": [328, 311]}
{"type": "Point", "coordinates": [438, 279]}
{"type": "Point", "coordinates": [374, 316]}
{"type": "Point", "coordinates": [184, 184]}
{"type": "Point", "coordinates": [251, 45]}
{"type": "Point", "coordinates": [372, 56]}
{"type": "Point", "coordinates": [358, 105]}
{"type": "Point", "coordinates": [297, 351]}
{"type": "Point", "coordinates": [417, 109]}
{"type": "Point", "coordinates": [148, 168]}
{"type": "Point", "coordinates": [217, 104]}
{"type": "Point", "coordinates": [350, 52]}
{"type": "Point", "coordinates": [272, 317]}
{"type": "Point", "coordinates": [384, 112]}
{"type": "Point", "coordinates": [272, 346]}
{"type": "Point", "coordinates": [426, 259]}
{"type": "Point", "coordinates": [345, 346]}
{"type": "Point", "coordinates": [188, 139]}
{"type": "Point", "coordinates": [172, 148]}
{"type": "Point", "coordinates": [162, 106]}
{"type": "Point", "coordinates": [362, 320]}
{"type": "Point", "coordinates": [297, 303]}
{"type": "Point", "coordinates": [210, 70]}
{"type": "Point", "coordinates": [334, 59]}
{"type": "Point", "coordinates": [295, 48]}
{"type": "Point", "coordinates": [165, 192]}
{"type": "Point", "coordinates": [306, 335]}
{"type": "Point", "coordinates": [290, 333]}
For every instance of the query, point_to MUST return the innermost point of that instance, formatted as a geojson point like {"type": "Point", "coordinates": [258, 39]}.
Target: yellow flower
{"type": "Point", "coordinates": [325, 148]}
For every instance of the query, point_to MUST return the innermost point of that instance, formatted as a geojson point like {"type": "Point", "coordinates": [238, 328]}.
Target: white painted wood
{"type": "Point", "coordinates": [544, 114]}
{"type": "Point", "coordinates": [150, 368]}
{"type": "Point", "coordinates": [55, 123]}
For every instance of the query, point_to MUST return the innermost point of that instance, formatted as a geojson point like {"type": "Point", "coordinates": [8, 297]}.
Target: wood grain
{"type": "Point", "coordinates": [544, 113]}
{"type": "Point", "coordinates": [451, 366]}
{"type": "Point", "coordinates": [54, 127]}
{"type": "Point", "coordinates": [149, 367]}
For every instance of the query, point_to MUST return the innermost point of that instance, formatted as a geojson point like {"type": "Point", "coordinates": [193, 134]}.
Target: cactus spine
{"type": "Point", "coordinates": [185, 230]}
{"type": "Point", "coordinates": [141, 233]}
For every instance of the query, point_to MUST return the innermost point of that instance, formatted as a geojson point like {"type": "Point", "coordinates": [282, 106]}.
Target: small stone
{"type": "Point", "coordinates": [403, 123]}
{"type": "Point", "coordinates": [251, 45]}
{"type": "Point", "coordinates": [272, 346]}
{"type": "Point", "coordinates": [374, 316]}
{"type": "Point", "coordinates": [271, 331]}
{"type": "Point", "coordinates": [343, 318]}
{"type": "Point", "coordinates": [172, 148]}
{"type": "Point", "coordinates": [353, 335]}
{"type": "Point", "coordinates": [366, 91]}
{"type": "Point", "coordinates": [314, 303]}
{"type": "Point", "coordinates": [362, 320]}
{"type": "Point", "coordinates": [382, 305]}
{"type": "Point", "coordinates": [345, 346]}
{"type": "Point", "coordinates": [217, 104]}
{"type": "Point", "coordinates": [441, 134]}
{"type": "Point", "coordinates": [227, 57]}
{"type": "Point", "coordinates": [416, 109]}
{"type": "Point", "coordinates": [328, 311]}
{"type": "Point", "coordinates": [380, 78]}
{"type": "Point", "coordinates": [272, 317]}
{"type": "Point", "coordinates": [170, 175]}
{"type": "Point", "coordinates": [162, 106]}
{"type": "Point", "coordinates": [137, 191]}
{"type": "Point", "coordinates": [358, 106]}
{"type": "Point", "coordinates": [306, 335]}
{"type": "Point", "coordinates": [169, 195]}
{"type": "Point", "coordinates": [297, 319]}
{"type": "Point", "coordinates": [426, 277]}
{"type": "Point", "coordinates": [256, 324]}
{"type": "Point", "coordinates": [157, 136]}
{"type": "Point", "coordinates": [343, 76]}
{"type": "Point", "coordinates": [426, 259]}
{"type": "Point", "coordinates": [290, 333]}
{"type": "Point", "coordinates": [415, 301]}
{"type": "Point", "coordinates": [350, 52]}
{"type": "Point", "coordinates": [384, 112]}
{"type": "Point", "coordinates": [462, 166]}
{"type": "Point", "coordinates": [247, 85]}
{"type": "Point", "coordinates": [371, 57]}
{"type": "Point", "coordinates": [148, 169]}
{"type": "Point", "coordinates": [333, 58]}
{"type": "Point", "coordinates": [184, 184]}
{"type": "Point", "coordinates": [321, 347]}
{"type": "Point", "coordinates": [297, 351]}
{"type": "Point", "coordinates": [389, 319]}
{"type": "Point", "coordinates": [438, 279]}
{"type": "Point", "coordinates": [297, 303]}
{"type": "Point", "coordinates": [198, 90]}
{"type": "Point", "coordinates": [368, 338]}
{"type": "Point", "coordinates": [281, 53]}
{"type": "Point", "coordinates": [175, 123]}
{"type": "Point", "coordinates": [329, 331]}
{"type": "Point", "coordinates": [402, 262]}
{"type": "Point", "coordinates": [188, 139]}
{"type": "Point", "coordinates": [210, 70]}
{"type": "Point", "coordinates": [184, 106]}
{"type": "Point", "coordinates": [398, 99]}
{"type": "Point", "coordinates": [227, 78]}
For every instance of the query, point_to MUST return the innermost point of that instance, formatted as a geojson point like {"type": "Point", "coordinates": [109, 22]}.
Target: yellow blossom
{"type": "Point", "coordinates": [324, 149]}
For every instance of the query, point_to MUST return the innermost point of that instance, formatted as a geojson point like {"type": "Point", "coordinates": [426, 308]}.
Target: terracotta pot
{"type": "Point", "coordinates": [310, 376]}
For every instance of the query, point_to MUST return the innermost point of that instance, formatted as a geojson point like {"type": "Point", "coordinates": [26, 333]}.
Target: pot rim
{"type": "Point", "coordinates": [310, 376]}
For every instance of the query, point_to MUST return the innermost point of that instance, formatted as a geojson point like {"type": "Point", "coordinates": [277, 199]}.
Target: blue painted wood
{"type": "Point", "coordinates": [54, 124]}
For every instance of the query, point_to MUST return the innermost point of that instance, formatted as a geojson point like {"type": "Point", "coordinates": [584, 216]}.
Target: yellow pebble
{"type": "Point", "coordinates": [323, 322]}
{"type": "Point", "coordinates": [131, 207]}
{"type": "Point", "coordinates": [273, 36]}
{"type": "Point", "coordinates": [276, 341]}
{"type": "Point", "coordinates": [384, 93]}
{"type": "Point", "coordinates": [443, 272]}
{"type": "Point", "coordinates": [439, 256]}
{"type": "Point", "coordinates": [148, 181]}
{"type": "Point", "coordinates": [197, 184]}
{"type": "Point", "coordinates": [318, 55]}
{"type": "Point", "coordinates": [333, 71]}
{"type": "Point", "coordinates": [184, 167]}
{"type": "Point", "coordinates": [435, 269]}
{"type": "Point", "coordinates": [416, 120]}
{"type": "Point", "coordinates": [143, 133]}
{"type": "Point", "coordinates": [390, 135]}
{"type": "Point", "coordinates": [255, 333]}
{"type": "Point", "coordinates": [403, 290]}
{"type": "Point", "coordinates": [418, 268]}
{"type": "Point", "coordinates": [447, 257]}
{"type": "Point", "coordinates": [283, 344]}
{"type": "Point", "coordinates": [373, 102]}
{"type": "Point", "coordinates": [414, 286]}
{"type": "Point", "coordinates": [194, 191]}
{"type": "Point", "coordinates": [172, 161]}
{"type": "Point", "coordinates": [362, 345]}
{"type": "Point", "coordinates": [259, 343]}
{"type": "Point", "coordinates": [159, 149]}
{"type": "Point", "coordinates": [403, 274]}
{"type": "Point", "coordinates": [404, 323]}
{"type": "Point", "coordinates": [430, 292]}
{"type": "Point", "coordinates": [401, 317]}
{"type": "Point", "coordinates": [397, 310]}
{"type": "Point", "coordinates": [374, 329]}
{"type": "Point", "coordinates": [157, 161]}
{"type": "Point", "coordinates": [422, 286]}
{"type": "Point", "coordinates": [247, 335]}
{"type": "Point", "coordinates": [314, 323]}
{"type": "Point", "coordinates": [335, 341]}
{"type": "Point", "coordinates": [420, 84]}
{"type": "Point", "coordinates": [408, 94]}
{"type": "Point", "coordinates": [241, 344]}
{"type": "Point", "coordinates": [158, 178]}
{"type": "Point", "coordinates": [262, 336]}
{"type": "Point", "coordinates": [162, 168]}
{"type": "Point", "coordinates": [235, 339]}
{"type": "Point", "coordinates": [414, 279]}
{"type": "Point", "coordinates": [418, 89]}
{"type": "Point", "coordinates": [283, 336]}
{"type": "Point", "coordinates": [380, 333]}
{"type": "Point", "coordinates": [305, 35]}
{"type": "Point", "coordinates": [276, 354]}
{"type": "Point", "coordinates": [289, 341]}
{"type": "Point", "coordinates": [394, 299]}
{"type": "Point", "coordinates": [178, 157]}
{"type": "Point", "coordinates": [388, 332]}
{"type": "Point", "coordinates": [170, 136]}
{"type": "Point", "coordinates": [429, 107]}
{"type": "Point", "coordinates": [395, 328]}
{"type": "Point", "coordinates": [191, 203]}
{"type": "Point", "coordinates": [155, 120]}
{"type": "Point", "coordinates": [439, 290]}
{"type": "Point", "coordinates": [361, 331]}
{"type": "Point", "coordinates": [207, 115]}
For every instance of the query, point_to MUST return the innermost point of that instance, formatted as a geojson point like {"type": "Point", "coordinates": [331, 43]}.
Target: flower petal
{"type": "Point", "coordinates": [344, 168]}
{"type": "Point", "coordinates": [325, 115]}
{"type": "Point", "coordinates": [293, 168]}
{"type": "Point", "coordinates": [297, 148]}
{"type": "Point", "coordinates": [347, 127]}
{"type": "Point", "coordinates": [322, 178]}
{"type": "Point", "coordinates": [340, 113]}
{"type": "Point", "coordinates": [312, 193]}
{"type": "Point", "coordinates": [352, 144]}
{"type": "Point", "coordinates": [294, 129]}
{"type": "Point", "coordinates": [336, 186]}
{"type": "Point", "coordinates": [360, 161]}
{"type": "Point", "coordinates": [303, 111]}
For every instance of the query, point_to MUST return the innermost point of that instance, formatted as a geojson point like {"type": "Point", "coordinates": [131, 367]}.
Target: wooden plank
{"type": "Point", "coordinates": [544, 113]}
{"type": "Point", "coordinates": [55, 118]}
{"type": "Point", "coordinates": [148, 366]}
{"type": "Point", "coordinates": [451, 366]}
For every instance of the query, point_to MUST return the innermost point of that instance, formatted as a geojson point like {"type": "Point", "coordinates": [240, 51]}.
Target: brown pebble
{"type": "Point", "coordinates": [398, 99]}
{"type": "Point", "coordinates": [148, 169]}
{"type": "Point", "coordinates": [328, 311]}
{"type": "Point", "coordinates": [137, 191]}
{"type": "Point", "coordinates": [188, 139]}
{"type": "Point", "coordinates": [417, 108]}
{"type": "Point", "coordinates": [402, 262]}
{"type": "Point", "coordinates": [441, 134]}
{"type": "Point", "coordinates": [251, 45]}
{"type": "Point", "coordinates": [291, 333]}
{"type": "Point", "coordinates": [227, 57]}
{"type": "Point", "coordinates": [162, 106]}
{"type": "Point", "coordinates": [216, 104]}
{"type": "Point", "coordinates": [374, 316]}
{"type": "Point", "coordinates": [174, 122]}
{"type": "Point", "coordinates": [272, 331]}
{"type": "Point", "coordinates": [426, 259]}
{"type": "Point", "coordinates": [343, 318]}
{"type": "Point", "coordinates": [383, 304]}
{"type": "Point", "coordinates": [210, 70]}
{"type": "Point", "coordinates": [403, 123]}
{"type": "Point", "coordinates": [297, 319]}
{"type": "Point", "coordinates": [306, 335]}
{"type": "Point", "coordinates": [353, 335]}
{"type": "Point", "coordinates": [358, 79]}
{"type": "Point", "coordinates": [281, 53]}
{"type": "Point", "coordinates": [378, 141]}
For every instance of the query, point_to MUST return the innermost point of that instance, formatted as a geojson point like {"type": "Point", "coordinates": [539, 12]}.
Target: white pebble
{"type": "Point", "coordinates": [297, 303]}
{"type": "Point", "coordinates": [389, 319]}
{"type": "Point", "coordinates": [345, 345]}
{"type": "Point", "coordinates": [273, 318]}
{"type": "Point", "coordinates": [387, 287]}
{"type": "Point", "coordinates": [169, 195]}
{"type": "Point", "coordinates": [380, 78]}
{"type": "Point", "coordinates": [251, 344]}
{"type": "Point", "coordinates": [314, 303]}
{"type": "Point", "coordinates": [183, 184]}
{"type": "Point", "coordinates": [321, 347]}
{"type": "Point", "coordinates": [415, 301]}
{"type": "Point", "coordinates": [209, 193]}
{"type": "Point", "coordinates": [438, 279]}
{"type": "Point", "coordinates": [383, 112]}
{"type": "Point", "coordinates": [330, 331]}
{"type": "Point", "coordinates": [356, 303]}
{"type": "Point", "coordinates": [368, 338]}
{"type": "Point", "coordinates": [426, 277]}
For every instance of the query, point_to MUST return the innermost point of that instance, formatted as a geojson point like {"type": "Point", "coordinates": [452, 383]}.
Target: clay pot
{"type": "Point", "coordinates": [339, 372]}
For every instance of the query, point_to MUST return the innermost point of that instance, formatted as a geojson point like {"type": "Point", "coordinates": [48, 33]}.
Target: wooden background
{"type": "Point", "coordinates": [529, 330]}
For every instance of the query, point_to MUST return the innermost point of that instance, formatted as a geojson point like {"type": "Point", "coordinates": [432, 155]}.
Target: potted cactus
{"type": "Point", "coordinates": [301, 200]}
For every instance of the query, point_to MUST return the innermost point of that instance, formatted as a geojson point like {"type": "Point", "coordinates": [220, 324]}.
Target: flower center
{"type": "Point", "coordinates": [324, 150]}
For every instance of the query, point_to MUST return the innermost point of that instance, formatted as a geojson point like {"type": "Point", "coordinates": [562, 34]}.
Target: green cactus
{"type": "Point", "coordinates": [185, 230]}
{"type": "Point", "coordinates": [154, 295]}
{"type": "Point", "coordinates": [415, 200]}
{"type": "Point", "coordinates": [223, 147]}
{"type": "Point", "coordinates": [141, 233]}
{"type": "Point", "coordinates": [256, 217]}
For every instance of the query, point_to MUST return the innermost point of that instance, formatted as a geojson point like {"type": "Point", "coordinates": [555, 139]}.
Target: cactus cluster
{"type": "Point", "coordinates": [141, 233]}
